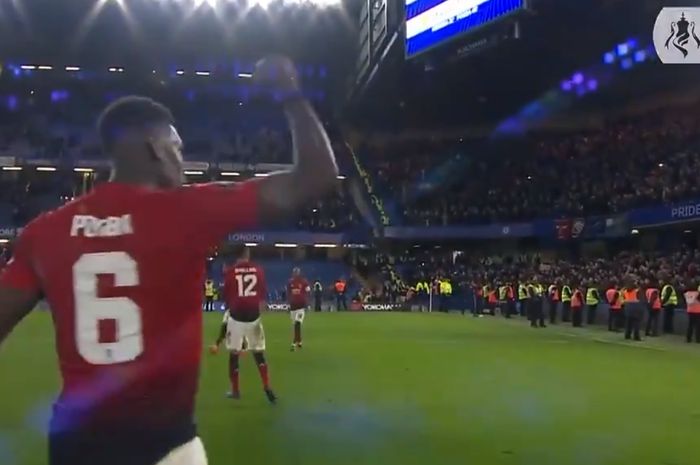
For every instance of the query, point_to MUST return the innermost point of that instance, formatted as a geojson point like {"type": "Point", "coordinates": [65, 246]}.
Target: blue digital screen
{"type": "Point", "coordinates": [433, 22]}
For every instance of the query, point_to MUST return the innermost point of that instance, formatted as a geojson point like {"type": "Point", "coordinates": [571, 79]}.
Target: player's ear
{"type": "Point", "coordinates": [152, 150]}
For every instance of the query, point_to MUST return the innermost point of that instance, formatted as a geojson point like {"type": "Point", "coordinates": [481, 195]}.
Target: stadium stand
{"type": "Point", "coordinates": [648, 160]}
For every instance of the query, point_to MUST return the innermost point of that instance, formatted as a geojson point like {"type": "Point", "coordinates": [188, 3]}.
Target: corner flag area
{"type": "Point", "coordinates": [400, 389]}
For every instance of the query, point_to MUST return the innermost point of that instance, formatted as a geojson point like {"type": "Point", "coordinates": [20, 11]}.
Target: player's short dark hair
{"type": "Point", "coordinates": [132, 112]}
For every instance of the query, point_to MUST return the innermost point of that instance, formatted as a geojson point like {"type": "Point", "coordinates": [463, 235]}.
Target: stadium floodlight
{"type": "Point", "coordinates": [114, 69]}
{"type": "Point", "coordinates": [12, 168]}
{"type": "Point", "coordinates": [83, 170]}
{"type": "Point", "coordinates": [250, 244]}
{"type": "Point", "coordinates": [285, 245]}
{"type": "Point", "coordinates": [340, 176]}
{"type": "Point", "coordinates": [46, 168]}
{"type": "Point", "coordinates": [661, 165]}
{"type": "Point", "coordinates": [634, 231]}
{"type": "Point", "coordinates": [261, 175]}
{"type": "Point", "coordinates": [230, 173]}
{"type": "Point", "coordinates": [202, 73]}
{"type": "Point", "coordinates": [45, 67]}
{"type": "Point", "coordinates": [72, 68]}
{"type": "Point", "coordinates": [194, 172]}
{"type": "Point", "coordinates": [687, 231]}
{"type": "Point", "coordinates": [28, 67]}
{"type": "Point", "coordinates": [209, 3]}
{"type": "Point", "coordinates": [325, 246]}
{"type": "Point", "coordinates": [245, 75]}
{"type": "Point", "coordinates": [180, 72]}
{"type": "Point", "coordinates": [4, 241]}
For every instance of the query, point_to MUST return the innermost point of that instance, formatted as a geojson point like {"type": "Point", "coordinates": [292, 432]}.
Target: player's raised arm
{"type": "Point", "coordinates": [315, 172]}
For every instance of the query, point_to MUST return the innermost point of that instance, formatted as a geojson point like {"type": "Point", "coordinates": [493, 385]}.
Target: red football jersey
{"type": "Point", "coordinates": [245, 290]}
{"type": "Point", "coordinates": [122, 269]}
{"type": "Point", "coordinates": [297, 292]}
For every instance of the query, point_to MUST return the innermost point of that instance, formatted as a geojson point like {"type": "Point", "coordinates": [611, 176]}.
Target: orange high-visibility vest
{"type": "Point", "coordinates": [653, 298]}
{"type": "Point", "coordinates": [691, 299]}
{"type": "Point", "coordinates": [614, 298]}
{"type": "Point", "coordinates": [577, 300]}
{"type": "Point", "coordinates": [492, 297]}
{"type": "Point", "coordinates": [631, 296]}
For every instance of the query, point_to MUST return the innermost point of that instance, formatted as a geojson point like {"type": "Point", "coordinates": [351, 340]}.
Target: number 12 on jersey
{"type": "Point", "coordinates": [246, 284]}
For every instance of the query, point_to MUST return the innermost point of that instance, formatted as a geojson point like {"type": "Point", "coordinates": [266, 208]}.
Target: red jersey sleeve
{"type": "Point", "coordinates": [211, 211]}
{"type": "Point", "coordinates": [19, 272]}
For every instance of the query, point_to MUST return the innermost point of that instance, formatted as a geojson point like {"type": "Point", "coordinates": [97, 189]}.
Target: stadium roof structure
{"type": "Point", "coordinates": [560, 39]}
{"type": "Point", "coordinates": [184, 33]}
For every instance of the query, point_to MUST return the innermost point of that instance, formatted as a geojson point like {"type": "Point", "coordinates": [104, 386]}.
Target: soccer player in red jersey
{"type": "Point", "coordinates": [122, 269]}
{"type": "Point", "coordinates": [244, 292]}
{"type": "Point", "coordinates": [298, 300]}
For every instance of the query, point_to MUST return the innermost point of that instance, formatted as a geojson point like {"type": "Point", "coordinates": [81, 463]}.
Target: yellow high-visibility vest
{"type": "Point", "coordinates": [592, 297]}
{"type": "Point", "coordinates": [672, 298]}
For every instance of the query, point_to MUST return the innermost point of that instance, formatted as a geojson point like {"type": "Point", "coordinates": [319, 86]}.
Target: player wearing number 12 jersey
{"type": "Point", "coordinates": [244, 291]}
{"type": "Point", "coordinates": [122, 270]}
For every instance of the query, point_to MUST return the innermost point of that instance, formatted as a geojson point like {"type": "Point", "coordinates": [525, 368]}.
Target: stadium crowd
{"type": "Point", "coordinates": [625, 164]}
{"type": "Point", "coordinates": [24, 196]}
{"type": "Point", "coordinates": [446, 279]}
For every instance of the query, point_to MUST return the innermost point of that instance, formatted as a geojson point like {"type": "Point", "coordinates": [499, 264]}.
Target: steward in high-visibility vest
{"type": "Point", "coordinates": [522, 292]}
{"type": "Point", "coordinates": [502, 293]}
{"type": "Point", "coordinates": [669, 303]}
{"type": "Point", "coordinates": [510, 301]}
{"type": "Point", "coordinates": [554, 299]}
{"type": "Point", "coordinates": [692, 299]}
{"type": "Point", "coordinates": [634, 304]}
{"type": "Point", "coordinates": [479, 300]}
{"type": "Point", "coordinates": [592, 301]}
{"type": "Point", "coordinates": [486, 293]}
{"type": "Point", "coordinates": [615, 316]}
{"type": "Point", "coordinates": [422, 287]}
{"type": "Point", "coordinates": [535, 314]}
{"type": "Point", "coordinates": [577, 307]}
{"type": "Point", "coordinates": [523, 298]}
{"type": "Point", "coordinates": [445, 293]}
{"type": "Point", "coordinates": [422, 291]}
{"type": "Point", "coordinates": [653, 310]}
{"type": "Point", "coordinates": [209, 292]}
{"type": "Point", "coordinates": [491, 300]}
{"type": "Point", "coordinates": [566, 296]}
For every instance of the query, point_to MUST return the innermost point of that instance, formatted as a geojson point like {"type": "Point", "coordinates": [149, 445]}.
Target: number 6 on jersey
{"type": "Point", "coordinates": [91, 309]}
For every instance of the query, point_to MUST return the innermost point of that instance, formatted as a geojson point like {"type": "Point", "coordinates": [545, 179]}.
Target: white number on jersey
{"type": "Point", "coordinates": [91, 309]}
{"type": "Point", "coordinates": [246, 285]}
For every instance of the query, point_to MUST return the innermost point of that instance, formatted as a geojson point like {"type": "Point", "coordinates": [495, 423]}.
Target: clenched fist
{"type": "Point", "coordinates": [278, 72]}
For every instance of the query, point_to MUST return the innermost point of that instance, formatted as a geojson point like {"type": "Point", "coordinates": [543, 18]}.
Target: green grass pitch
{"type": "Point", "coordinates": [402, 389]}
